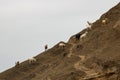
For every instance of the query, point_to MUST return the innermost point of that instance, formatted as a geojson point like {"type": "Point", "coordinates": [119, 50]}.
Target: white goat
{"type": "Point", "coordinates": [104, 21]}
{"type": "Point", "coordinates": [83, 35]}
{"type": "Point", "coordinates": [31, 60]}
{"type": "Point", "coordinates": [61, 44]}
{"type": "Point", "coordinates": [89, 25]}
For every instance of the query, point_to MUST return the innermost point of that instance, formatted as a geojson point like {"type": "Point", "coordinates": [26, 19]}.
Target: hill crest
{"type": "Point", "coordinates": [94, 57]}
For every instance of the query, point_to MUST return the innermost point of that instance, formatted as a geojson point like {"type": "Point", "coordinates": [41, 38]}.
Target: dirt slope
{"type": "Point", "coordinates": [95, 57]}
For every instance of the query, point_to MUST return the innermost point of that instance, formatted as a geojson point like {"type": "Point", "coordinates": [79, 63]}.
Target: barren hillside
{"type": "Point", "coordinates": [96, 56]}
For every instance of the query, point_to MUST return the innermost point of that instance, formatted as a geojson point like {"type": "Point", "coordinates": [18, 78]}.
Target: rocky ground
{"type": "Point", "coordinates": [94, 57]}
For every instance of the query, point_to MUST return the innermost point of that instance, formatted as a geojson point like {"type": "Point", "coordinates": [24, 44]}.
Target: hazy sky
{"type": "Point", "coordinates": [27, 25]}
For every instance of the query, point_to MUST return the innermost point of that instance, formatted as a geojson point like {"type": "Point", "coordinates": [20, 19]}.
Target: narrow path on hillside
{"type": "Point", "coordinates": [71, 51]}
{"type": "Point", "coordinates": [90, 73]}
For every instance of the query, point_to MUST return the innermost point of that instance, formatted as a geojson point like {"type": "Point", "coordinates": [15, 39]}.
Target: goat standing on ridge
{"type": "Point", "coordinates": [89, 25]}
{"type": "Point", "coordinates": [46, 47]}
{"type": "Point", "coordinates": [31, 60]}
{"type": "Point", "coordinates": [77, 36]}
{"type": "Point", "coordinates": [17, 63]}
{"type": "Point", "coordinates": [62, 45]}
{"type": "Point", "coordinates": [83, 35]}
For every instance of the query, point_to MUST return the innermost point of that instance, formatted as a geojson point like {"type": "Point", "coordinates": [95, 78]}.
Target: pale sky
{"type": "Point", "coordinates": [27, 25]}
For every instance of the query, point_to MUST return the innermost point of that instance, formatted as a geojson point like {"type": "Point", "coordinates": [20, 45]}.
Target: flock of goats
{"type": "Point", "coordinates": [89, 27]}
{"type": "Point", "coordinates": [62, 44]}
{"type": "Point", "coordinates": [33, 60]}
